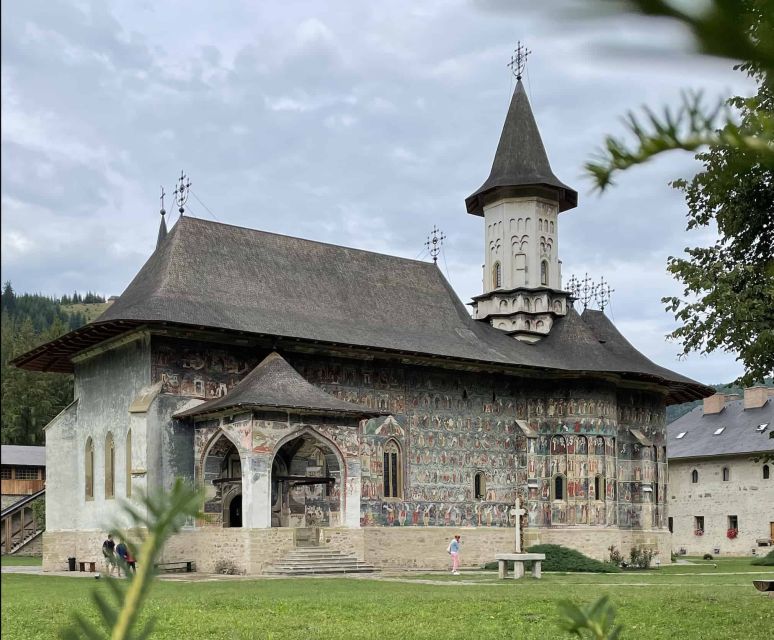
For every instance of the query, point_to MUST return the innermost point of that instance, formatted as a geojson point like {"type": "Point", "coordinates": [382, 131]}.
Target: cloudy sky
{"type": "Point", "coordinates": [357, 123]}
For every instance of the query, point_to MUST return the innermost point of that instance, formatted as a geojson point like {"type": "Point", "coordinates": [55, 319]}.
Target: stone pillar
{"type": "Point", "coordinates": [256, 491]}
{"type": "Point", "coordinates": [351, 490]}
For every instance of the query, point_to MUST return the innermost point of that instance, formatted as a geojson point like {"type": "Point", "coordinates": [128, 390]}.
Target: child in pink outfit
{"type": "Point", "coordinates": [454, 552]}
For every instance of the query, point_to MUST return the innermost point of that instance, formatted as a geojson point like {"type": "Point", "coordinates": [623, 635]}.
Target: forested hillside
{"type": "Point", "coordinates": [31, 399]}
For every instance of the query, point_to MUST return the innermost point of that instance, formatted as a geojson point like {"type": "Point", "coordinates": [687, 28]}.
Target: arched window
{"type": "Point", "coordinates": [129, 464]}
{"type": "Point", "coordinates": [497, 275]}
{"type": "Point", "coordinates": [560, 486]}
{"type": "Point", "coordinates": [393, 482]}
{"type": "Point", "coordinates": [765, 472]}
{"type": "Point", "coordinates": [726, 474]}
{"type": "Point", "coordinates": [110, 466]}
{"type": "Point", "coordinates": [599, 487]}
{"type": "Point", "coordinates": [479, 485]}
{"type": "Point", "coordinates": [694, 476]}
{"type": "Point", "coordinates": [89, 469]}
{"type": "Point", "coordinates": [544, 273]}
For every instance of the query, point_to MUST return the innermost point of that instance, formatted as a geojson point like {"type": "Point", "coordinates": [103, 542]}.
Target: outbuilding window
{"type": "Point", "coordinates": [765, 472]}
{"type": "Point", "coordinates": [726, 474]}
{"type": "Point", "coordinates": [695, 476]}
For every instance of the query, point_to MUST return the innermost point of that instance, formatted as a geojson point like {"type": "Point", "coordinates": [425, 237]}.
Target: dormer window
{"type": "Point", "coordinates": [681, 435]}
{"type": "Point", "coordinates": [718, 431]}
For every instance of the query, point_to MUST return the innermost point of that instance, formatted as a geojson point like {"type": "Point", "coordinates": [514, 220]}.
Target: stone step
{"type": "Point", "coordinates": [317, 560]}
{"type": "Point", "coordinates": [285, 563]}
{"type": "Point", "coordinates": [310, 571]}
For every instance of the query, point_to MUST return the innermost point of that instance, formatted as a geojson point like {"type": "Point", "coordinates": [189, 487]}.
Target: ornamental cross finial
{"type": "Point", "coordinates": [519, 60]}
{"type": "Point", "coordinates": [163, 212]}
{"type": "Point", "coordinates": [586, 291]}
{"type": "Point", "coordinates": [434, 243]}
{"type": "Point", "coordinates": [181, 192]}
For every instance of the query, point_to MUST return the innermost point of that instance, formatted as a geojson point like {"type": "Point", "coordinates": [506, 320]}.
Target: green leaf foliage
{"type": "Point", "coordinates": [559, 558]}
{"type": "Point", "coordinates": [765, 561]}
{"type": "Point", "coordinates": [596, 620]}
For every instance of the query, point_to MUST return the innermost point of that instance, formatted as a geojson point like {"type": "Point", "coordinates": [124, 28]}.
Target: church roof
{"type": "Point", "coordinates": [743, 432]}
{"type": "Point", "coordinates": [520, 164]}
{"type": "Point", "coordinates": [274, 384]}
{"type": "Point", "coordinates": [217, 276]}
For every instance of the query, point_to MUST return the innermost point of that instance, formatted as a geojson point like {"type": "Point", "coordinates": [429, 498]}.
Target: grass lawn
{"type": "Point", "coordinates": [675, 603]}
{"type": "Point", "coordinates": [21, 561]}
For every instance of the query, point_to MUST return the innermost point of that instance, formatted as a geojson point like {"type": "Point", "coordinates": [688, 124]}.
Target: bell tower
{"type": "Point", "coordinates": [520, 202]}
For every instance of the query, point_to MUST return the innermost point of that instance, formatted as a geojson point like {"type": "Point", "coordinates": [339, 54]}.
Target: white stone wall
{"type": "Point", "coordinates": [746, 495]}
{"type": "Point", "coordinates": [521, 226]}
{"type": "Point", "coordinates": [105, 386]}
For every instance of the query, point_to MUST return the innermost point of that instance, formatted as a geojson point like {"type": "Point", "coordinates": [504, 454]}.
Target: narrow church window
{"type": "Point", "coordinates": [479, 486]}
{"type": "Point", "coordinates": [392, 470]}
{"type": "Point", "coordinates": [726, 474]}
{"type": "Point", "coordinates": [671, 525]}
{"type": "Point", "coordinates": [129, 464]}
{"type": "Point", "coordinates": [694, 476]}
{"type": "Point", "coordinates": [497, 275]}
{"type": "Point", "coordinates": [544, 273]}
{"type": "Point", "coordinates": [765, 472]}
{"type": "Point", "coordinates": [110, 467]}
{"type": "Point", "coordinates": [89, 469]}
{"type": "Point", "coordinates": [599, 487]}
{"type": "Point", "coordinates": [559, 487]}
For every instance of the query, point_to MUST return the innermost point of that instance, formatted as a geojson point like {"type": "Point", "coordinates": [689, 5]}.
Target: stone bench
{"type": "Point", "coordinates": [183, 565]}
{"type": "Point", "coordinates": [518, 564]}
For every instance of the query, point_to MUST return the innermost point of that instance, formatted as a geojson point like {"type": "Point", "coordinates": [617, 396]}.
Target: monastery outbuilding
{"type": "Point", "coordinates": [327, 395]}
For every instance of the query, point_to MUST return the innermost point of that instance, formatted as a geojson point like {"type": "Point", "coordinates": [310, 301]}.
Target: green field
{"type": "Point", "coordinates": [20, 561]}
{"type": "Point", "coordinates": [678, 602]}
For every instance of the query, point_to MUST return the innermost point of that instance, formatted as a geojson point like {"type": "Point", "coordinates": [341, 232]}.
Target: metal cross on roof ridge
{"type": "Point", "coordinates": [181, 192]}
{"type": "Point", "coordinates": [519, 60]}
{"type": "Point", "coordinates": [434, 243]}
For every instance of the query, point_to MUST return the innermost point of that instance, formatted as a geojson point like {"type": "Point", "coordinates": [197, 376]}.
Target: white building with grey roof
{"type": "Point", "coordinates": [721, 476]}
{"type": "Point", "coordinates": [347, 397]}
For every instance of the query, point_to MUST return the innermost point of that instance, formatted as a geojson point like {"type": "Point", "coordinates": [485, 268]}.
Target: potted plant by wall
{"type": "Point", "coordinates": [698, 532]}
{"type": "Point", "coordinates": [732, 533]}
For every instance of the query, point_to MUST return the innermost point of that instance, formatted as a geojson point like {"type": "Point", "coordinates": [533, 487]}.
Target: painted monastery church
{"type": "Point", "coordinates": [332, 396]}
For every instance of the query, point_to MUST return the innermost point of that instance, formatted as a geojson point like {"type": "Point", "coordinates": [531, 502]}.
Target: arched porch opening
{"type": "Point", "coordinates": [222, 476]}
{"type": "Point", "coordinates": [306, 479]}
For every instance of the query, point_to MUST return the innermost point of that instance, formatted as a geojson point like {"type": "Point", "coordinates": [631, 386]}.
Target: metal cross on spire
{"type": "Point", "coordinates": [163, 212]}
{"type": "Point", "coordinates": [434, 243]}
{"type": "Point", "coordinates": [519, 60]}
{"type": "Point", "coordinates": [181, 192]}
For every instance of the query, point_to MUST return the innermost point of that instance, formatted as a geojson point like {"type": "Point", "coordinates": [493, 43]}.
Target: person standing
{"type": "Point", "coordinates": [122, 555]}
{"type": "Point", "coordinates": [454, 551]}
{"type": "Point", "coordinates": [108, 552]}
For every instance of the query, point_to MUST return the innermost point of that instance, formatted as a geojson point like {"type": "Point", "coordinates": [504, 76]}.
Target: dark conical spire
{"type": "Point", "coordinates": [162, 230]}
{"type": "Point", "coordinates": [521, 165]}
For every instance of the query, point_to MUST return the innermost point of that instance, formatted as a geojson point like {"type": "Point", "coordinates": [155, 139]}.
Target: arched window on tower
{"type": "Point", "coordinates": [726, 474]}
{"type": "Point", "coordinates": [110, 466]}
{"type": "Point", "coordinates": [695, 477]}
{"type": "Point", "coordinates": [765, 472]}
{"type": "Point", "coordinates": [560, 487]}
{"type": "Point", "coordinates": [544, 273]}
{"type": "Point", "coordinates": [392, 470]}
{"type": "Point", "coordinates": [497, 275]}
{"type": "Point", "coordinates": [479, 485]}
{"type": "Point", "coordinates": [88, 469]}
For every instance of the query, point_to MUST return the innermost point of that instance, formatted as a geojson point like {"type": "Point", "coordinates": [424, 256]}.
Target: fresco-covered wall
{"type": "Point", "coordinates": [450, 425]}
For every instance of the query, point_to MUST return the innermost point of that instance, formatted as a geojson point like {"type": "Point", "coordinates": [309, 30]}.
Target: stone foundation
{"type": "Point", "coordinates": [595, 541]}
{"type": "Point", "coordinates": [425, 547]}
{"type": "Point", "coordinates": [251, 551]}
